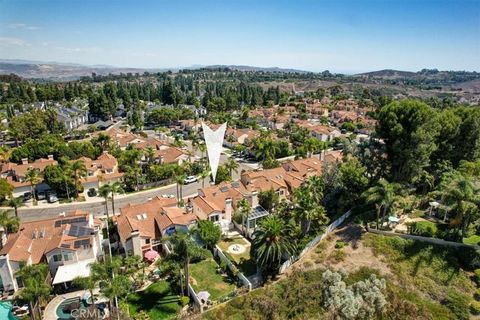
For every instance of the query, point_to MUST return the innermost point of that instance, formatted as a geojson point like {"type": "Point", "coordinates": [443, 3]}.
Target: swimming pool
{"type": "Point", "coordinates": [6, 310]}
{"type": "Point", "coordinates": [63, 311]}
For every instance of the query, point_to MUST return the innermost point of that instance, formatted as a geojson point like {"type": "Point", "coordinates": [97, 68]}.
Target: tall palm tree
{"type": "Point", "coordinates": [66, 177]}
{"type": "Point", "coordinates": [180, 180]}
{"type": "Point", "coordinates": [308, 203]}
{"type": "Point", "coordinates": [115, 188]}
{"type": "Point", "coordinates": [204, 175]}
{"type": "Point", "coordinates": [383, 195]}
{"type": "Point", "coordinates": [35, 287]}
{"type": "Point", "coordinates": [104, 192]}
{"type": "Point", "coordinates": [245, 210]}
{"type": "Point", "coordinates": [203, 149]}
{"type": "Point", "coordinates": [79, 171]}
{"type": "Point", "coordinates": [34, 177]}
{"type": "Point", "coordinates": [9, 223]}
{"type": "Point", "coordinates": [15, 203]}
{"type": "Point", "coordinates": [463, 199]}
{"type": "Point", "coordinates": [232, 166]}
{"type": "Point", "coordinates": [271, 242]}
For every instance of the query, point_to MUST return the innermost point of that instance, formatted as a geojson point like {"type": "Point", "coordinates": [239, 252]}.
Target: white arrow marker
{"type": "Point", "coordinates": [214, 141]}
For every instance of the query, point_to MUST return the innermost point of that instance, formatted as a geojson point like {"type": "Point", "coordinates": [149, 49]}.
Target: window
{"type": "Point", "coordinates": [147, 241]}
{"type": "Point", "coordinates": [57, 257]}
{"type": "Point", "coordinates": [67, 256]}
{"type": "Point", "coordinates": [214, 218]}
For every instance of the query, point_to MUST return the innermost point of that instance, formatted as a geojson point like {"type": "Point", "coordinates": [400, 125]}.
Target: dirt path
{"type": "Point", "coordinates": [351, 257]}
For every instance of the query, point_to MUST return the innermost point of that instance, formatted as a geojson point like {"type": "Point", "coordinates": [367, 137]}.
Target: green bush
{"type": "Point", "coordinates": [477, 275]}
{"type": "Point", "coordinates": [184, 301]}
{"type": "Point", "coordinates": [475, 307]}
{"type": "Point", "coordinates": [459, 304]}
{"type": "Point", "coordinates": [477, 294]}
{"type": "Point", "coordinates": [423, 228]}
{"type": "Point", "coordinates": [339, 245]}
{"type": "Point", "coordinates": [469, 258]}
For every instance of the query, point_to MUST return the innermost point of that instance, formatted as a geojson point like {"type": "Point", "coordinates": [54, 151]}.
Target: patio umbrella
{"type": "Point", "coordinates": [151, 255]}
{"type": "Point", "coordinates": [203, 296]}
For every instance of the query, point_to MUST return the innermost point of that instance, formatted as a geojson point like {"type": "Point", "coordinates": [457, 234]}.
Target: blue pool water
{"type": "Point", "coordinates": [6, 311]}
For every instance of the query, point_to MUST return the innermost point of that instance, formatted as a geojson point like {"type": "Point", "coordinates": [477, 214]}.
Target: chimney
{"type": "Point", "coordinates": [228, 209]}
{"type": "Point", "coordinates": [254, 199]}
{"type": "Point", "coordinates": [136, 243]}
{"type": "Point", "coordinates": [322, 155]}
{"type": "Point", "coordinates": [24, 160]}
{"type": "Point", "coordinates": [50, 157]}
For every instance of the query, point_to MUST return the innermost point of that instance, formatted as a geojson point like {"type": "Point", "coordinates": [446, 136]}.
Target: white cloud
{"type": "Point", "coordinates": [13, 42]}
{"type": "Point", "coordinates": [78, 49]}
{"type": "Point", "coordinates": [22, 26]}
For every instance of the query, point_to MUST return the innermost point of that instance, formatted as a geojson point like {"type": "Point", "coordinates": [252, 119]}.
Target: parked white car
{"type": "Point", "coordinates": [190, 179]}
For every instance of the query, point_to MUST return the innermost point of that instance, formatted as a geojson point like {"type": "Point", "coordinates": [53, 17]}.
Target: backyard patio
{"type": "Point", "coordinates": [237, 249]}
{"type": "Point", "coordinates": [205, 277]}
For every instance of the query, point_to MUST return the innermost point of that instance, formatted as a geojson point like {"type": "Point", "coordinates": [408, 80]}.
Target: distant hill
{"type": "Point", "coordinates": [387, 73]}
{"type": "Point", "coordinates": [252, 68]}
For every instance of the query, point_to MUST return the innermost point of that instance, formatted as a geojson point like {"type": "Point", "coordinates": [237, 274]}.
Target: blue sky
{"type": "Point", "coordinates": [341, 36]}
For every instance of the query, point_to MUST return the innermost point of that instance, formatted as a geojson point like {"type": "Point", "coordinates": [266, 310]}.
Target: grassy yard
{"type": "Point", "coordinates": [242, 260]}
{"type": "Point", "coordinates": [204, 277]}
{"type": "Point", "coordinates": [157, 301]}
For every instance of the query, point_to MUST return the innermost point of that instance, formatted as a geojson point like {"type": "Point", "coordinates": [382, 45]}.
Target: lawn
{"type": "Point", "coordinates": [157, 301]}
{"type": "Point", "coordinates": [242, 260]}
{"type": "Point", "coordinates": [204, 277]}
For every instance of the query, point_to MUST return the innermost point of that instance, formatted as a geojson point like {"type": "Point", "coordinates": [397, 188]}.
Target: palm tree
{"type": "Point", "coordinates": [180, 180]}
{"type": "Point", "coordinates": [104, 273]}
{"type": "Point", "coordinates": [271, 242]}
{"type": "Point", "coordinates": [231, 165]}
{"type": "Point", "coordinates": [184, 249]}
{"type": "Point", "coordinates": [15, 203]}
{"type": "Point", "coordinates": [462, 197]}
{"type": "Point", "coordinates": [66, 177]}
{"type": "Point", "coordinates": [9, 223]}
{"type": "Point", "coordinates": [245, 210]}
{"type": "Point", "coordinates": [104, 192]}
{"type": "Point", "coordinates": [79, 171]}
{"type": "Point", "coordinates": [33, 176]}
{"type": "Point", "coordinates": [383, 195]}
{"type": "Point", "coordinates": [204, 175]}
{"type": "Point", "coordinates": [115, 188]}
{"type": "Point", "coordinates": [203, 148]}
{"type": "Point", "coordinates": [35, 287]}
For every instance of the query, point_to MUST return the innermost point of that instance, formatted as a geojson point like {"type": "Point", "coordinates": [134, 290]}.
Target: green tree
{"type": "Point", "coordinates": [409, 129]}
{"type": "Point", "coordinates": [354, 181]}
{"type": "Point", "coordinates": [209, 232]}
{"type": "Point", "coordinates": [383, 195]}
{"type": "Point", "coordinates": [115, 188]}
{"type": "Point", "coordinates": [87, 283]}
{"type": "Point", "coordinates": [231, 166]}
{"type": "Point", "coordinates": [9, 223]}
{"type": "Point", "coordinates": [35, 287]}
{"type": "Point", "coordinates": [268, 199]}
{"type": "Point", "coordinates": [15, 203]}
{"type": "Point", "coordinates": [78, 171]}
{"type": "Point", "coordinates": [271, 242]}
{"type": "Point", "coordinates": [6, 189]}
{"type": "Point", "coordinates": [34, 177]}
{"type": "Point", "coordinates": [244, 210]}
{"type": "Point", "coordinates": [104, 192]}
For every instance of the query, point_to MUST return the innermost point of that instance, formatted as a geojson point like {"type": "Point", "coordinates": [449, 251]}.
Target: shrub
{"type": "Point", "coordinates": [184, 301]}
{"type": "Point", "coordinates": [475, 307]}
{"type": "Point", "coordinates": [458, 303]}
{"type": "Point", "coordinates": [477, 294]}
{"type": "Point", "coordinates": [469, 258]}
{"type": "Point", "coordinates": [477, 275]}
{"type": "Point", "coordinates": [339, 245]}
{"type": "Point", "coordinates": [423, 228]}
{"type": "Point", "coordinates": [338, 255]}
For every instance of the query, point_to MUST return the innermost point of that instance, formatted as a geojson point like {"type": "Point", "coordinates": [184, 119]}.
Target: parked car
{"type": "Point", "coordinates": [168, 196]}
{"type": "Point", "coordinates": [92, 192]}
{"type": "Point", "coordinates": [27, 196]}
{"type": "Point", "coordinates": [52, 198]}
{"type": "Point", "coordinates": [190, 179]}
{"type": "Point", "coordinates": [41, 195]}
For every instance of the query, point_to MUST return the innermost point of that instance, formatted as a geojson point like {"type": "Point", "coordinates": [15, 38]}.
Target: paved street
{"type": "Point", "coordinates": [97, 206]}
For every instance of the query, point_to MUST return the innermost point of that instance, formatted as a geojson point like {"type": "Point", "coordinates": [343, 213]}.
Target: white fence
{"type": "Point", "coordinates": [334, 225]}
{"type": "Point", "coordinates": [194, 296]}
{"type": "Point", "coordinates": [218, 252]}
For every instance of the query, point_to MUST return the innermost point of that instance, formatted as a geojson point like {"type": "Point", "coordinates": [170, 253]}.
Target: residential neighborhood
{"type": "Point", "coordinates": [239, 160]}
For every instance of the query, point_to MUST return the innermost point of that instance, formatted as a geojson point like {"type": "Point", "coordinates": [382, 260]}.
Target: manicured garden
{"type": "Point", "coordinates": [205, 277]}
{"type": "Point", "coordinates": [157, 301]}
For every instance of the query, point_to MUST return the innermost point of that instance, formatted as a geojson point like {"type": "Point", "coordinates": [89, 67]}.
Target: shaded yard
{"type": "Point", "coordinates": [204, 277]}
{"type": "Point", "coordinates": [157, 301]}
{"type": "Point", "coordinates": [241, 259]}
